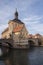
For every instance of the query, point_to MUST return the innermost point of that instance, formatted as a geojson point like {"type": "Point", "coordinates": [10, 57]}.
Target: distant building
{"type": "Point", "coordinates": [37, 36]}
{"type": "Point", "coordinates": [16, 29]}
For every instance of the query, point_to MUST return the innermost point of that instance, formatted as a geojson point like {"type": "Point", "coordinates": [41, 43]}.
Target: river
{"type": "Point", "coordinates": [33, 56]}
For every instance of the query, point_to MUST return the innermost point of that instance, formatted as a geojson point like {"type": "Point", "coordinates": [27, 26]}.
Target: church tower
{"type": "Point", "coordinates": [16, 14]}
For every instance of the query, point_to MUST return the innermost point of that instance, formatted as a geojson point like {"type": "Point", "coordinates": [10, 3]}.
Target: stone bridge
{"type": "Point", "coordinates": [6, 42]}
{"type": "Point", "coordinates": [9, 42]}
{"type": "Point", "coordinates": [35, 42]}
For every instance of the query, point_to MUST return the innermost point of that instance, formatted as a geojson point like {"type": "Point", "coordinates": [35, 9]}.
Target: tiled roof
{"type": "Point", "coordinates": [18, 28]}
{"type": "Point", "coordinates": [17, 21]}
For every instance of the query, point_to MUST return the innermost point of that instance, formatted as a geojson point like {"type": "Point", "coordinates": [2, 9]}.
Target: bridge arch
{"type": "Point", "coordinates": [6, 42]}
{"type": "Point", "coordinates": [31, 43]}
{"type": "Point", "coordinates": [9, 44]}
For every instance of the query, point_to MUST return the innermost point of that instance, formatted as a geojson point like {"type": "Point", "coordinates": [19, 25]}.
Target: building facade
{"type": "Point", "coordinates": [16, 29]}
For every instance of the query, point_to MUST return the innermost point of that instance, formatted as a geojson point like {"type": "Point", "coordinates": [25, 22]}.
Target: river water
{"type": "Point", "coordinates": [33, 56]}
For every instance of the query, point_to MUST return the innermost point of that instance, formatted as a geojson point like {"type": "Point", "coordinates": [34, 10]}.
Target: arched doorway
{"type": "Point", "coordinates": [31, 43]}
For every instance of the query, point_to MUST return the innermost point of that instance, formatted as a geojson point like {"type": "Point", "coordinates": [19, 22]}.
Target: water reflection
{"type": "Point", "coordinates": [33, 56]}
{"type": "Point", "coordinates": [14, 57]}
{"type": "Point", "coordinates": [17, 57]}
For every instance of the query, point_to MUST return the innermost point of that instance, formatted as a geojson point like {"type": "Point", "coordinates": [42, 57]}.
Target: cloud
{"type": "Point", "coordinates": [2, 27]}
{"type": "Point", "coordinates": [33, 24]}
{"type": "Point", "coordinates": [33, 18]}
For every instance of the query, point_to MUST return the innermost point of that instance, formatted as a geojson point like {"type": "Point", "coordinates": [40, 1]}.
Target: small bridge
{"type": "Point", "coordinates": [34, 42]}
{"type": "Point", "coordinates": [6, 42]}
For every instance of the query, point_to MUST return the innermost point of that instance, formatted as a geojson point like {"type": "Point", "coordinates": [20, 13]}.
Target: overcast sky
{"type": "Point", "coordinates": [30, 12]}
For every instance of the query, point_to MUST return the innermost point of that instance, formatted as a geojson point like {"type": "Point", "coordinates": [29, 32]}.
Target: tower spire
{"type": "Point", "coordinates": [16, 14]}
{"type": "Point", "coordinates": [16, 9]}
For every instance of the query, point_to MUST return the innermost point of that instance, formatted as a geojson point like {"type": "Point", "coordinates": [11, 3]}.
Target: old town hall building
{"type": "Point", "coordinates": [16, 29]}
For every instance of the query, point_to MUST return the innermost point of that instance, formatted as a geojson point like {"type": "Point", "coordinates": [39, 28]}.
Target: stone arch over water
{"type": "Point", "coordinates": [31, 43]}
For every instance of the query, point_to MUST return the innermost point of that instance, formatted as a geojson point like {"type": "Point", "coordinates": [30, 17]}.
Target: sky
{"type": "Point", "coordinates": [30, 12]}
